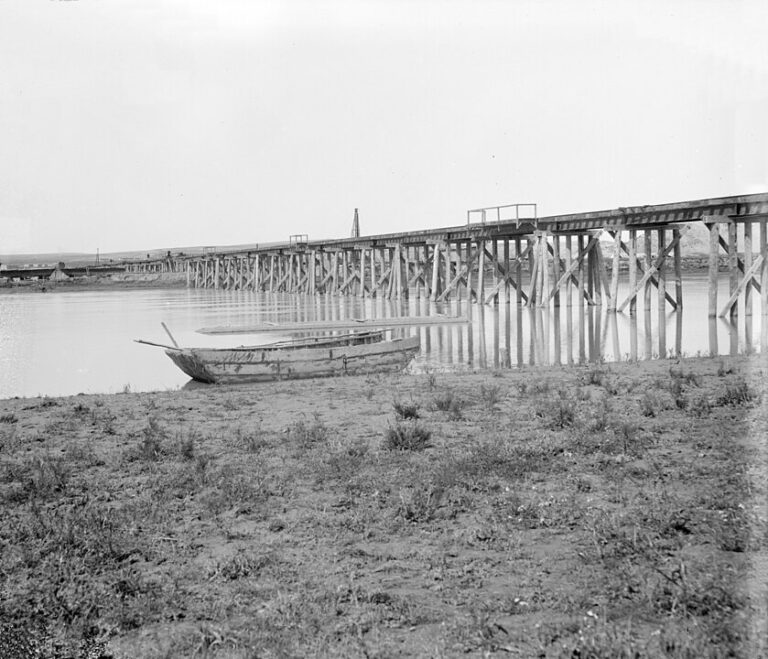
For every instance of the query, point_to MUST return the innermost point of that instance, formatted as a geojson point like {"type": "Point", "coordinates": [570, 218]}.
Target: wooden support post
{"type": "Point", "coordinates": [556, 277]}
{"type": "Point", "coordinates": [470, 266]}
{"type": "Point", "coordinates": [714, 264]}
{"type": "Point", "coordinates": [733, 265]}
{"type": "Point", "coordinates": [648, 261]}
{"type": "Point", "coordinates": [373, 292]}
{"type": "Point", "coordinates": [435, 271]}
{"type": "Point", "coordinates": [544, 269]}
{"type": "Point", "coordinates": [460, 264]}
{"type": "Point", "coordinates": [748, 268]}
{"type": "Point", "coordinates": [568, 281]}
{"type": "Point", "coordinates": [678, 271]}
{"type": "Point", "coordinates": [216, 271]}
{"type": "Point", "coordinates": [518, 273]}
{"type": "Point", "coordinates": [661, 236]}
{"type": "Point", "coordinates": [495, 258]}
{"type": "Point", "coordinates": [447, 270]}
{"type": "Point", "coordinates": [764, 276]}
{"type": "Point", "coordinates": [363, 260]}
{"type": "Point", "coordinates": [407, 269]}
{"type": "Point", "coordinates": [613, 301]}
{"type": "Point", "coordinates": [533, 292]}
{"type": "Point", "coordinates": [591, 272]}
{"type": "Point", "coordinates": [481, 271]}
{"type": "Point", "coordinates": [507, 291]}
{"type": "Point", "coordinates": [581, 284]}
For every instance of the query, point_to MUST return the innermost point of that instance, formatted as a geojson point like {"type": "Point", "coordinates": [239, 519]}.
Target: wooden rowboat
{"type": "Point", "coordinates": [354, 353]}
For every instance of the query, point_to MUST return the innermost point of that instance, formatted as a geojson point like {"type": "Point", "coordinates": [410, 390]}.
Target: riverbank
{"type": "Point", "coordinates": [121, 281]}
{"type": "Point", "coordinates": [617, 510]}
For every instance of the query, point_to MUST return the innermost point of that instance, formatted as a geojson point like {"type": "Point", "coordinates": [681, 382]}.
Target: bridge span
{"type": "Point", "coordinates": [509, 252]}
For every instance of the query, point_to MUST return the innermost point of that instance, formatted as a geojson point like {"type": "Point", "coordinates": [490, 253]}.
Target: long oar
{"type": "Point", "coordinates": [158, 345]}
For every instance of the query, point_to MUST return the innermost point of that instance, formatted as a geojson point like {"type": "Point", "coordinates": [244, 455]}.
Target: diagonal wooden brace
{"type": "Point", "coordinates": [593, 239]}
{"type": "Point", "coordinates": [739, 262]}
{"type": "Point", "coordinates": [653, 268]}
{"type": "Point", "coordinates": [745, 281]}
{"type": "Point", "coordinates": [641, 268]}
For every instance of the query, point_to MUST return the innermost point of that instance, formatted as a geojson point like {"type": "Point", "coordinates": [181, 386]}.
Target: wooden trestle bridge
{"type": "Point", "coordinates": [563, 257]}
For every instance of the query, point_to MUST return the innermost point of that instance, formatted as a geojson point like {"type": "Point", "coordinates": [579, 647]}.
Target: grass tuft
{"type": "Point", "coordinates": [407, 437]}
{"type": "Point", "coordinates": [737, 392]}
{"type": "Point", "coordinates": [405, 410]}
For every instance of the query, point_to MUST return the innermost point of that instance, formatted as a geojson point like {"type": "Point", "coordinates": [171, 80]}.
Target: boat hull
{"type": "Point", "coordinates": [265, 363]}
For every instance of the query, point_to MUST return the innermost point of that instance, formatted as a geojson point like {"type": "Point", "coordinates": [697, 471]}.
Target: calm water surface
{"type": "Point", "coordinates": [61, 343]}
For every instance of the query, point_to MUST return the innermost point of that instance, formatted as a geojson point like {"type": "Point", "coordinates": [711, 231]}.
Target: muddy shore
{"type": "Point", "coordinates": [618, 510]}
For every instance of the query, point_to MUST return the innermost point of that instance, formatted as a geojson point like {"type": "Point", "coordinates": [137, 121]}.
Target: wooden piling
{"type": "Point", "coordinates": [748, 269]}
{"type": "Point", "coordinates": [733, 265]}
{"type": "Point", "coordinates": [714, 261]}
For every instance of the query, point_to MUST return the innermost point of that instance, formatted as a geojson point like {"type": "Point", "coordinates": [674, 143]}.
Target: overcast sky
{"type": "Point", "coordinates": [141, 124]}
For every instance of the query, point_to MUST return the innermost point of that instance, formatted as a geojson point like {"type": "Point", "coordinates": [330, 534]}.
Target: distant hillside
{"type": "Point", "coordinates": [79, 258]}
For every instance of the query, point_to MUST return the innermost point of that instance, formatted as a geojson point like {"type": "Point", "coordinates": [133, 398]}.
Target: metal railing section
{"type": "Point", "coordinates": [505, 213]}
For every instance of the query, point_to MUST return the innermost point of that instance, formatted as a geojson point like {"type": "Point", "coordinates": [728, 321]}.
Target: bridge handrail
{"type": "Point", "coordinates": [484, 212]}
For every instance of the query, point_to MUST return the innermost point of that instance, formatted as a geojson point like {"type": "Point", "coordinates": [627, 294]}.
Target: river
{"type": "Point", "coordinates": [66, 342]}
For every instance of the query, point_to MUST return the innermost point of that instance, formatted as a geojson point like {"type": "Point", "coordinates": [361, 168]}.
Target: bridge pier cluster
{"type": "Point", "coordinates": [536, 262]}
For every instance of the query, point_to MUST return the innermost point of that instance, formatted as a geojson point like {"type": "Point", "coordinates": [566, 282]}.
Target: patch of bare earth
{"type": "Point", "coordinates": [602, 511]}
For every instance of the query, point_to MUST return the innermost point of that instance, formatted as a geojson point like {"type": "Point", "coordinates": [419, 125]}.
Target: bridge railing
{"type": "Point", "coordinates": [505, 213]}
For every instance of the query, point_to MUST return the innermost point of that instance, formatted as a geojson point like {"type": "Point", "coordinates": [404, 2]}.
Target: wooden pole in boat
{"type": "Point", "coordinates": [168, 332]}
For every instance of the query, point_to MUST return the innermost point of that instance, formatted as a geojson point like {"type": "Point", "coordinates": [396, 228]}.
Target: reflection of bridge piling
{"type": "Point", "coordinates": [511, 254]}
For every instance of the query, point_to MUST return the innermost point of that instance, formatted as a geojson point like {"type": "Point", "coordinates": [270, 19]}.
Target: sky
{"type": "Point", "coordinates": [143, 124]}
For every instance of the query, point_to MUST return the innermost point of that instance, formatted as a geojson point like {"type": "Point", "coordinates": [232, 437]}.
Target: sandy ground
{"type": "Point", "coordinates": [605, 511]}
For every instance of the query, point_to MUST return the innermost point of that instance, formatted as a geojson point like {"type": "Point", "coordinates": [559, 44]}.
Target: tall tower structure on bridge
{"type": "Point", "coordinates": [356, 226]}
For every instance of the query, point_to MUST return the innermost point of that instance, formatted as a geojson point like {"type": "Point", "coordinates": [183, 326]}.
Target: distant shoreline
{"type": "Point", "coordinates": [93, 283]}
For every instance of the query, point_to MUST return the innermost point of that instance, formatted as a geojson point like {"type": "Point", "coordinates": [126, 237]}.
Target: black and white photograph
{"type": "Point", "coordinates": [375, 329]}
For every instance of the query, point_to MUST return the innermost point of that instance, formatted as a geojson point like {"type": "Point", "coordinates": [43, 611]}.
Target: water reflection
{"type": "Point", "coordinates": [58, 344]}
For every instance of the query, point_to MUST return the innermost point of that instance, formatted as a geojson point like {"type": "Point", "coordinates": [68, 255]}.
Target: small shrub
{"type": "Point", "coordinates": [444, 401]}
{"type": "Point", "coordinates": [559, 412]}
{"type": "Point", "coordinates": [449, 402]}
{"type": "Point", "coordinates": [650, 404]}
{"type": "Point", "coordinates": [80, 410]}
{"type": "Point", "coordinates": [406, 410]}
{"type": "Point", "coordinates": [723, 370]}
{"type": "Point", "coordinates": [600, 417]}
{"type": "Point", "coordinates": [595, 377]}
{"type": "Point", "coordinates": [407, 437]}
{"type": "Point", "coordinates": [108, 427]}
{"type": "Point", "coordinates": [737, 392]}
{"type": "Point", "coordinates": [431, 380]}
{"type": "Point", "coordinates": [421, 504]}
{"type": "Point", "coordinates": [533, 388]}
{"type": "Point", "coordinates": [307, 434]}
{"type": "Point", "coordinates": [490, 395]}
{"type": "Point", "coordinates": [185, 447]}
{"type": "Point", "coordinates": [150, 448]}
{"type": "Point", "coordinates": [700, 406]}
{"type": "Point", "coordinates": [8, 418]}
{"type": "Point", "coordinates": [252, 439]}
